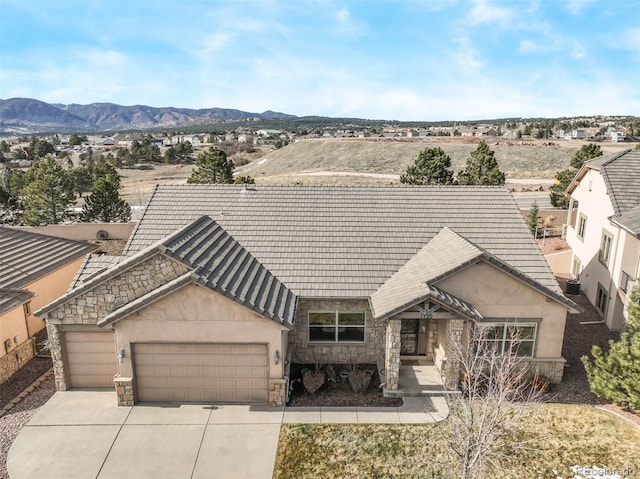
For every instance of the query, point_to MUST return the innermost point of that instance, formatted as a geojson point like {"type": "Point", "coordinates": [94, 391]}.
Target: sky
{"type": "Point", "coordinates": [408, 60]}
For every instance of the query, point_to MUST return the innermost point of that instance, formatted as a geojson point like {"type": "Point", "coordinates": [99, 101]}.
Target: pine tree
{"type": "Point", "coordinates": [481, 168]}
{"type": "Point", "coordinates": [48, 194]}
{"type": "Point", "coordinates": [431, 167]}
{"type": "Point", "coordinates": [532, 219]}
{"type": "Point", "coordinates": [105, 205]}
{"type": "Point", "coordinates": [212, 166]}
{"type": "Point", "coordinates": [585, 153]}
{"type": "Point", "coordinates": [615, 374]}
{"type": "Point", "coordinates": [563, 180]}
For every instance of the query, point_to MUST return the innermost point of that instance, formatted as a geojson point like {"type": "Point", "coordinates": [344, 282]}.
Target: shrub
{"type": "Point", "coordinates": [359, 380]}
{"type": "Point", "coordinates": [313, 381]}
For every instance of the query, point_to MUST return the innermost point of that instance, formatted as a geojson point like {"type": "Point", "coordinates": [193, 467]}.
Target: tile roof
{"type": "Point", "coordinates": [92, 266]}
{"type": "Point", "coordinates": [26, 257]}
{"type": "Point", "coordinates": [10, 298]}
{"type": "Point", "coordinates": [333, 241]}
{"type": "Point", "coordinates": [630, 220]}
{"type": "Point", "coordinates": [446, 254]}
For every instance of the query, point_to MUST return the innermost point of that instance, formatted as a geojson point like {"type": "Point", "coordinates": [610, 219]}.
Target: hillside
{"type": "Point", "coordinates": [374, 160]}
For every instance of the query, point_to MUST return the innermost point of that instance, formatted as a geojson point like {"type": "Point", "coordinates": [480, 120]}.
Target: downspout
{"type": "Point", "coordinates": [614, 256]}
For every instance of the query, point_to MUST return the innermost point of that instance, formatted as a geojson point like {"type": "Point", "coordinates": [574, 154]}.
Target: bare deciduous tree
{"type": "Point", "coordinates": [495, 396]}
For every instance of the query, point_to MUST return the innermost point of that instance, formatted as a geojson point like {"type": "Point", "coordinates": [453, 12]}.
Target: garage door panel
{"type": "Point", "coordinates": [201, 372]}
{"type": "Point", "coordinates": [90, 359]}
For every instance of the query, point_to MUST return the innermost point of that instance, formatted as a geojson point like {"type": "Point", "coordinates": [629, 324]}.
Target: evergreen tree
{"type": "Point", "coordinates": [104, 204]}
{"type": "Point", "coordinates": [532, 219]}
{"type": "Point", "coordinates": [212, 166]}
{"type": "Point", "coordinates": [48, 194]}
{"type": "Point", "coordinates": [431, 167]}
{"type": "Point", "coordinates": [563, 180]}
{"type": "Point", "coordinates": [481, 168]}
{"type": "Point", "coordinates": [615, 374]}
{"type": "Point", "coordinates": [585, 153]}
{"type": "Point", "coordinates": [244, 180]}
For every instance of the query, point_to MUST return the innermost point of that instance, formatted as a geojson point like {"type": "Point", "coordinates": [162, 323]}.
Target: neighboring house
{"type": "Point", "coordinates": [604, 231]}
{"type": "Point", "coordinates": [617, 136]}
{"type": "Point", "coordinates": [34, 270]}
{"type": "Point", "coordinates": [223, 286]}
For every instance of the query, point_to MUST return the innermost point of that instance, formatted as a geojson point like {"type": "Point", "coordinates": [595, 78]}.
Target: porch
{"type": "Point", "coordinates": [417, 377]}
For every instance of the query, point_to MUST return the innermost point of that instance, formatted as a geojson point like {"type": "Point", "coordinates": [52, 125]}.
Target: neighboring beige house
{"type": "Point", "coordinates": [34, 270]}
{"type": "Point", "coordinates": [604, 232]}
{"type": "Point", "coordinates": [223, 286]}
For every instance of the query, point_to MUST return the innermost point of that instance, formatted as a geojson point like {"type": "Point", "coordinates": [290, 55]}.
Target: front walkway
{"type": "Point", "coordinates": [84, 434]}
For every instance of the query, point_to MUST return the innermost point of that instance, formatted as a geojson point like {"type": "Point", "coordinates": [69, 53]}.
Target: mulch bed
{"type": "Point", "coordinates": [337, 392]}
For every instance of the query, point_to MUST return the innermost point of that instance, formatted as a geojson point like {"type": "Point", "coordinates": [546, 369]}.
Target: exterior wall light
{"type": "Point", "coordinates": [121, 355]}
{"type": "Point", "coordinates": [276, 356]}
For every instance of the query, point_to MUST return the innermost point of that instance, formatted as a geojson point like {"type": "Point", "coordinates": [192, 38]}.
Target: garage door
{"type": "Point", "coordinates": [231, 373]}
{"type": "Point", "coordinates": [91, 359]}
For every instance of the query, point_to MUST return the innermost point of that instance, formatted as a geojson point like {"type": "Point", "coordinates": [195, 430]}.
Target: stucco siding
{"type": "Point", "coordinates": [498, 296]}
{"type": "Point", "coordinates": [194, 314]}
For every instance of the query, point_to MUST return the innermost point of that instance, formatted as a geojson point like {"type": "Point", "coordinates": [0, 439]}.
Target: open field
{"type": "Point", "coordinates": [372, 162]}
{"type": "Point", "coordinates": [558, 436]}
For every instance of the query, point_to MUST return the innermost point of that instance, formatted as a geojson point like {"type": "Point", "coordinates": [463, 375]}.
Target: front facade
{"type": "Point", "coordinates": [223, 287]}
{"type": "Point", "coordinates": [604, 232]}
{"type": "Point", "coordinates": [34, 270]}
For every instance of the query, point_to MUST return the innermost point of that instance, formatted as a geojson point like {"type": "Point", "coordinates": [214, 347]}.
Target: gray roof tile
{"type": "Point", "coordinates": [331, 241]}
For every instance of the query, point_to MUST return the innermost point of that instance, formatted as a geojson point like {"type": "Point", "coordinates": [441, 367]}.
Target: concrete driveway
{"type": "Point", "coordinates": [85, 435]}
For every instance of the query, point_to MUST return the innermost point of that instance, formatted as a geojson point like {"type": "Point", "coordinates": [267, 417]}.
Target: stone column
{"type": "Point", "coordinates": [124, 391]}
{"type": "Point", "coordinates": [55, 346]}
{"type": "Point", "coordinates": [392, 354]}
{"type": "Point", "coordinates": [454, 345]}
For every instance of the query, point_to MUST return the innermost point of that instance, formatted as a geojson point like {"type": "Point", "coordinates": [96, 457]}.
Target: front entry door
{"type": "Point", "coordinates": [413, 337]}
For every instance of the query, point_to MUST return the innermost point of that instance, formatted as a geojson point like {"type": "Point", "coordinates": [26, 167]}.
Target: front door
{"type": "Point", "coordinates": [413, 337]}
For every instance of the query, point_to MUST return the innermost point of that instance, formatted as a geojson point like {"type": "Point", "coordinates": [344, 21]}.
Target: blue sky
{"type": "Point", "coordinates": [403, 59]}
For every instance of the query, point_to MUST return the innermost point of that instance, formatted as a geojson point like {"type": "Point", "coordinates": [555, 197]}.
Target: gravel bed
{"type": "Point", "coordinates": [31, 371]}
{"type": "Point", "coordinates": [11, 423]}
{"type": "Point", "coordinates": [578, 339]}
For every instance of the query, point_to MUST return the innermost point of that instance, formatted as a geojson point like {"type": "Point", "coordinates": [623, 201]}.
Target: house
{"type": "Point", "coordinates": [222, 287]}
{"type": "Point", "coordinates": [604, 231]}
{"type": "Point", "coordinates": [34, 270]}
{"type": "Point", "coordinates": [617, 136]}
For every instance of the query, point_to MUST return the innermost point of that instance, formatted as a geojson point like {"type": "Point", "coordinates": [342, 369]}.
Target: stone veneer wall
{"type": "Point", "coordinates": [124, 391]}
{"type": "Point", "coordinates": [95, 304]}
{"type": "Point", "coordinates": [392, 356]}
{"type": "Point", "coordinates": [451, 373]}
{"type": "Point", "coordinates": [336, 353]}
{"type": "Point", "coordinates": [550, 368]}
{"type": "Point", "coordinates": [15, 359]}
{"type": "Point", "coordinates": [277, 392]}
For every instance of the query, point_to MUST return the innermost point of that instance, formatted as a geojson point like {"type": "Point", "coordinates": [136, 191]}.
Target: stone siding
{"type": "Point", "coordinates": [15, 359]}
{"type": "Point", "coordinates": [124, 391]}
{"type": "Point", "coordinates": [552, 369]}
{"type": "Point", "coordinates": [55, 346]}
{"type": "Point", "coordinates": [451, 373]}
{"type": "Point", "coordinates": [277, 392]}
{"type": "Point", "coordinates": [335, 353]}
{"type": "Point", "coordinates": [93, 305]}
{"type": "Point", "coordinates": [392, 356]}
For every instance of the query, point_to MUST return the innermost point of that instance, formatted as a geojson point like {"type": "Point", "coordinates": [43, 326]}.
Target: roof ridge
{"type": "Point", "coordinates": [125, 252]}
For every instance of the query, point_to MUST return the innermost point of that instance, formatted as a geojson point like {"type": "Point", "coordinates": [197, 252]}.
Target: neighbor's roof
{"type": "Point", "coordinates": [92, 266]}
{"type": "Point", "coordinates": [26, 257]}
{"type": "Point", "coordinates": [446, 254]}
{"type": "Point", "coordinates": [621, 174]}
{"type": "Point", "coordinates": [332, 241]}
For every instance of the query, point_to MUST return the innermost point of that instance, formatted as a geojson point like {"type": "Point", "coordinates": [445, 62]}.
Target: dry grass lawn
{"type": "Point", "coordinates": [559, 436]}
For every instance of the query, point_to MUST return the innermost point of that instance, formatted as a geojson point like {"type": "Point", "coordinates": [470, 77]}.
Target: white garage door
{"type": "Point", "coordinates": [91, 359]}
{"type": "Point", "coordinates": [230, 373]}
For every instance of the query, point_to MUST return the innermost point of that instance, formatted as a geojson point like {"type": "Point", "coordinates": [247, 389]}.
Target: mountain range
{"type": "Point", "coordinates": [27, 115]}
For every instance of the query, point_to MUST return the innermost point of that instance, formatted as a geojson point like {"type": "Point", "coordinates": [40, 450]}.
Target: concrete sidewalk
{"type": "Point", "coordinates": [84, 434]}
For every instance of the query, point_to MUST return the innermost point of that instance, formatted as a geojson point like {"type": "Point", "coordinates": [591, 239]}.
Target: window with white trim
{"type": "Point", "coordinates": [582, 226]}
{"type": "Point", "coordinates": [605, 247]}
{"type": "Point", "coordinates": [336, 326]}
{"type": "Point", "coordinates": [520, 338]}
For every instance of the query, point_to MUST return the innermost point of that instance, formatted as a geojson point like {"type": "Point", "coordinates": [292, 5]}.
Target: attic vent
{"type": "Point", "coordinates": [102, 235]}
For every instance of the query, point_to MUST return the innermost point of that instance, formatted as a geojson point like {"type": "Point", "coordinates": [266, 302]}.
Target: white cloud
{"type": "Point", "coordinates": [578, 51]}
{"type": "Point", "coordinates": [483, 12]}
{"type": "Point", "coordinates": [576, 7]}
{"type": "Point", "coordinates": [346, 25]}
{"type": "Point", "coordinates": [528, 46]}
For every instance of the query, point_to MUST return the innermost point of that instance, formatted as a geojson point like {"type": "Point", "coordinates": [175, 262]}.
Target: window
{"type": "Point", "coordinates": [626, 282]}
{"type": "Point", "coordinates": [605, 247]}
{"type": "Point", "coordinates": [582, 226]}
{"type": "Point", "coordinates": [576, 268]}
{"type": "Point", "coordinates": [601, 299]}
{"type": "Point", "coordinates": [336, 326]}
{"type": "Point", "coordinates": [504, 337]}
{"type": "Point", "coordinates": [27, 308]}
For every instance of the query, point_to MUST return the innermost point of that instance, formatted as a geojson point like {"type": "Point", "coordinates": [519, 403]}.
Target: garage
{"type": "Point", "coordinates": [196, 372]}
{"type": "Point", "coordinates": [91, 358]}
